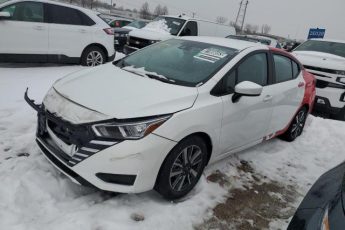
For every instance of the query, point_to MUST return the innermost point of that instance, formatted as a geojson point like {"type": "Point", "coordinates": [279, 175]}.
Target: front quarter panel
{"type": "Point", "coordinates": [205, 116]}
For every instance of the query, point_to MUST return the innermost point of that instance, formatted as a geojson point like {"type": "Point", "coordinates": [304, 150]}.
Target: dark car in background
{"type": "Point", "coordinates": [323, 207]}
{"type": "Point", "coordinates": [121, 34]}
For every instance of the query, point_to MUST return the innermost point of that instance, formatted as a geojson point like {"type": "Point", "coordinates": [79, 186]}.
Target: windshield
{"type": "Point", "coordinates": [334, 48]}
{"type": "Point", "coordinates": [174, 24]}
{"type": "Point", "coordinates": [182, 62]}
{"type": "Point", "coordinates": [137, 24]}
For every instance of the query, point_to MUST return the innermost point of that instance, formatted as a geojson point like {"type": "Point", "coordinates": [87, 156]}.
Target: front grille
{"type": "Point", "coordinates": [321, 69]}
{"type": "Point", "coordinates": [81, 140]}
{"type": "Point", "coordinates": [138, 42]}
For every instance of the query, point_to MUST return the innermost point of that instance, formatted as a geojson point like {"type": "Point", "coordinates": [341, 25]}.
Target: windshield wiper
{"type": "Point", "coordinates": [157, 77]}
{"type": "Point", "coordinates": [149, 75]}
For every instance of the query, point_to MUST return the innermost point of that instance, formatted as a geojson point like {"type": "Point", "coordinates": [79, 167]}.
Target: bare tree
{"type": "Point", "coordinates": [145, 11]}
{"type": "Point", "coordinates": [135, 10]}
{"type": "Point", "coordinates": [158, 10]}
{"type": "Point", "coordinates": [265, 29]}
{"type": "Point", "coordinates": [221, 20]}
{"type": "Point", "coordinates": [165, 10]}
{"type": "Point", "coordinates": [248, 28]}
{"type": "Point", "coordinates": [255, 29]}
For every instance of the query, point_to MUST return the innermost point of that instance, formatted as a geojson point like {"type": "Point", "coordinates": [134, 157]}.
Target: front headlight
{"type": "Point", "coordinates": [117, 35]}
{"type": "Point", "coordinates": [325, 222]}
{"type": "Point", "coordinates": [130, 130]}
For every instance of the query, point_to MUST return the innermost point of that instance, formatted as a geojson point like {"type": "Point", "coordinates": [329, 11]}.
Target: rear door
{"type": "Point", "coordinates": [287, 91]}
{"type": "Point", "coordinates": [25, 32]}
{"type": "Point", "coordinates": [246, 121]}
{"type": "Point", "coordinates": [70, 31]}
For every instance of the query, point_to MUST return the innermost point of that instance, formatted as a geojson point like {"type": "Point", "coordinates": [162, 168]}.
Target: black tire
{"type": "Point", "coordinates": [93, 56]}
{"type": "Point", "coordinates": [172, 186]}
{"type": "Point", "coordinates": [296, 127]}
{"type": "Point", "coordinates": [340, 116]}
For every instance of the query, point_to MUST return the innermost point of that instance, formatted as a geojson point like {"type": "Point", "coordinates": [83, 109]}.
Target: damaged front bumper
{"type": "Point", "coordinates": [125, 166]}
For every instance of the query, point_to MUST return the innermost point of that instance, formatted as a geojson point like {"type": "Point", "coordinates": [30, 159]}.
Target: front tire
{"type": "Point", "coordinates": [93, 56]}
{"type": "Point", "coordinates": [182, 168]}
{"type": "Point", "coordinates": [297, 125]}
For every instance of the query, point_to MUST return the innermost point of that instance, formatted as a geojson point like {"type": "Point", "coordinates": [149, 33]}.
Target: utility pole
{"type": "Point", "coordinates": [194, 14]}
{"type": "Point", "coordinates": [241, 15]}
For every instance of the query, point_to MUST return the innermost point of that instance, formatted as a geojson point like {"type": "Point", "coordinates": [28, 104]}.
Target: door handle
{"type": "Point", "coordinates": [39, 27]}
{"type": "Point", "coordinates": [82, 31]}
{"type": "Point", "coordinates": [267, 98]}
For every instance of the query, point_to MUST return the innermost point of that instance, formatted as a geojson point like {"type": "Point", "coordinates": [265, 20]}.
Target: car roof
{"type": "Point", "coordinates": [226, 42]}
{"type": "Point", "coordinates": [328, 40]}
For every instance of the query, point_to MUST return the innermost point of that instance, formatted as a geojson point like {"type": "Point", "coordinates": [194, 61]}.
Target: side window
{"type": "Point", "coordinates": [254, 69]}
{"type": "Point", "coordinates": [67, 16]}
{"type": "Point", "coordinates": [125, 23]}
{"type": "Point", "coordinates": [295, 69]}
{"type": "Point", "coordinates": [191, 29]}
{"type": "Point", "coordinates": [230, 82]}
{"type": "Point", "coordinates": [283, 68]}
{"type": "Point", "coordinates": [25, 11]}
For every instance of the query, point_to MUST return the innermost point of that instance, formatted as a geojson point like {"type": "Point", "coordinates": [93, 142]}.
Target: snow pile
{"type": "Point", "coordinates": [159, 26]}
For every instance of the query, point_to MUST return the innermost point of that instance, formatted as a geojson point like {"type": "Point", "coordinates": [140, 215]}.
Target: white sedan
{"type": "Point", "coordinates": [158, 117]}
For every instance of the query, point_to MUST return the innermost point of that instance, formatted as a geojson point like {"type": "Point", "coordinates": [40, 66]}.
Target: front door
{"type": "Point", "coordinates": [246, 121]}
{"type": "Point", "coordinates": [24, 32]}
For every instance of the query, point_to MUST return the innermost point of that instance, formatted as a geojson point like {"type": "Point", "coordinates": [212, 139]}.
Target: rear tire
{"type": "Point", "coordinates": [182, 168]}
{"type": "Point", "coordinates": [93, 56]}
{"type": "Point", "coordinates": [296, 127]}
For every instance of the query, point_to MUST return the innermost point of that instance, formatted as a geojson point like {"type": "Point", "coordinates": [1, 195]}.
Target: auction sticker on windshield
{"type": "Point", "coordinates": [211, 55]}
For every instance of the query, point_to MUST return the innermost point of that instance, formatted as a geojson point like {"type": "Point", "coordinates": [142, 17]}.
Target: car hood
{"type": "Point", "coordinates": [150, 34]}
{"type": "Point", "coordinates": [119, 94]}
{"type": "Point", "coordinates": [319, 59]}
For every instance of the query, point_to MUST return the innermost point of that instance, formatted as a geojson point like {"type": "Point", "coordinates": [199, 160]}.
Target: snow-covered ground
{"type": "Point", "coordinates": [35, 196]}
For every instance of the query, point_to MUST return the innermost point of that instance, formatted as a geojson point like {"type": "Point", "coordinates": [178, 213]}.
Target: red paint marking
{"type": "Point", "coordinates": [308, 99]}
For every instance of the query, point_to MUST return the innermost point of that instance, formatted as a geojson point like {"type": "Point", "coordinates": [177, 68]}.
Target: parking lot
{"type": "Point", "coordinates": [34, 195]}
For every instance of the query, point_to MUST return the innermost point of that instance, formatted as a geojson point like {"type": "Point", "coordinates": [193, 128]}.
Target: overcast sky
{"type": "Point", "coordinates": [286, 17]}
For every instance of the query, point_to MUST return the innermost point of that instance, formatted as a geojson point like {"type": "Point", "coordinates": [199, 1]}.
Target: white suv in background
{"type": "Point", "coordinates": [165, 27]}
{"type": "Point", "coordinates": [326, 60]}
{"type": "Point", "coordinates": [46, 31]}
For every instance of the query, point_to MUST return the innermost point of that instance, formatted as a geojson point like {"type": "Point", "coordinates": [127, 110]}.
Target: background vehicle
{"type": "Point", "coordinates": [119, 22]}
{"type": "Point", "coordinates": [323, 207]}
{"type": "Point", "coordinates": [121, 34]}
{"type": "Point", "coordinates": [250, 39]}
{"type": "Point", "coordinates": [266, 40]}
{"type": "Point", "coordinates": [171, 109]}
{"type": "Point", "coordinates": [326, 60]}
{"type": "Point", "coordinates": [165, 27]}
{"type": "Point", "coordinates": [45, 31]}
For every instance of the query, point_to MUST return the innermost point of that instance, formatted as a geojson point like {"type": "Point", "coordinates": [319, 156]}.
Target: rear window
{"type": "Point", "coordinates": [285, 68]}
{"type": "Point", "coordinates": [67, 16]}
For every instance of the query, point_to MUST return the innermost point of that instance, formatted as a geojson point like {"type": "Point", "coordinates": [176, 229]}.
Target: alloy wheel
{"type": "Point", "coordinates": [94, 58]}
{"type": "Point", "coordinates": [297, 126]}
{"type": "Point", "coordinates": [186, 167]}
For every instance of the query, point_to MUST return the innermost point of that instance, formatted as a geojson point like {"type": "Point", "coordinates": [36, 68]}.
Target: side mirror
{"type": "Point", "coordinates": [246, 88]}
{"type": "Point", "coordinates": [4, 15]}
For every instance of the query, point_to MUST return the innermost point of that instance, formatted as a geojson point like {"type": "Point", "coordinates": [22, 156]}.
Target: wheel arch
{"type": "Point", "coordinates": [99, 46]}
